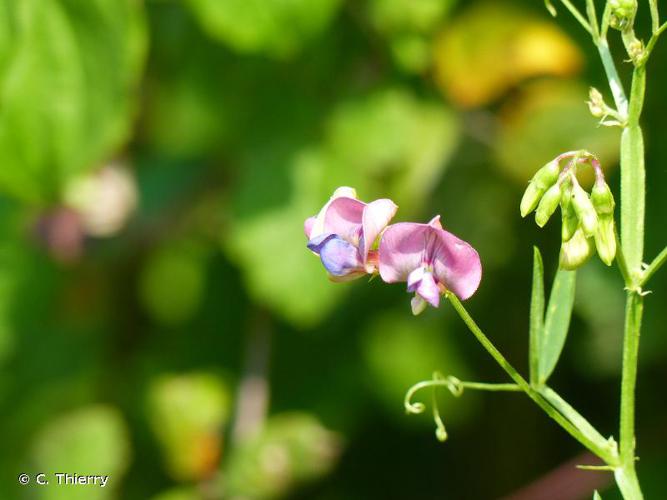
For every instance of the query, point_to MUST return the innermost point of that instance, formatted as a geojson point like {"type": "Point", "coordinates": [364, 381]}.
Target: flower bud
{"type": "Point", "coordinates": [602, 199]}
{"type": "Point", "coordinates": [570, 223]}
{"type": "Point", "coordinates": [548, 205]}
{"type": "Point", "coordinates": [584, 210]}
{"type": "Point", "coordinates": [622, 13]}
{"type": "Point", "coordinates": [531, 197]}
{"type": "Point", "coordinates": [547, 176]}
{"type": "Point", "coordinates": [575, 252]}
{"type": "Point", "coordinates": [635, 49]}
{"type": "Point", "coordinates": [605, 239]}
{"type": "Point", "coordinates": [543, 179]}
{"type": "Point", "coordinates": [596, 103]}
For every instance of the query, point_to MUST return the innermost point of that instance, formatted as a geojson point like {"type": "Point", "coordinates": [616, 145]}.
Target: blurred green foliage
{"type": "Point", "coordinates": [157, 161]}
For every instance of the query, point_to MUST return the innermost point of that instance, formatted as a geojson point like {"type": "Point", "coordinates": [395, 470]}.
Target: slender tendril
{"type": "Point", "coordinates": [455, 387]}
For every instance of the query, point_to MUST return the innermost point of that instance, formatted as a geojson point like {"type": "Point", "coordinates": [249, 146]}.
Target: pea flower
{"type": "Point", "coordinates": [431, 261]}
{"type": "Point", "coordinates": [343, 234]}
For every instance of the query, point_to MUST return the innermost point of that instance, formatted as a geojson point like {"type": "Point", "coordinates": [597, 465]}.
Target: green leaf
{"type": "Point", "coordinates": [67, 77]}
{"type": "Point", "coordinates": [596, 496]}
{"type": "Point", "coordinates": [557, 322]}
{"type": "Point", "coordinates": [536, 315]}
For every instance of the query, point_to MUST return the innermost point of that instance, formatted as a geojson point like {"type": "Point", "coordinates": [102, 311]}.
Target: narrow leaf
{"type": "Point", "coordinates": [557, 322]}
{"type": "Point", "coordinates": [550, 8]}
{"type": "Point", "coordinates": [596, 496]}
{"type": "Point", "coordinates": [536, 315]}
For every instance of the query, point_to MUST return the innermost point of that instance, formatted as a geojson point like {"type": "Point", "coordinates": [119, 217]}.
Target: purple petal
{"type": "Point", "coordinates": [408, 246]}
{"type": "Point", "coordinates": [375, 218]}
{"type": "Point", "coordinates": [415, 278]}
{"type": "Point", "coordinates": [343, 217]}
{"type": "Point", "coordinates": [457, 265]}
{"type": "Point", "coordinates": [314, 226]}
{"type": "Point", "coordinates": [428, 290]}
{"type": "Point", "coordinates": [339, 257]}
{"type": "Point", "coordinates": [435, 222]}
{"type": "Point", "coordinates": [315, 244]}
{"type": "Point", "coordinates": [402, 250]}
{"type": "Point", "coordinates": [308, 226]}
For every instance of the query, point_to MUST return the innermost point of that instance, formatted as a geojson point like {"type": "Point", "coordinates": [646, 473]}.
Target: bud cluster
{"type": "Point", "coordinates": [622, 13]}
{"type": "Point", "coordinates": [600, 109]}
{"type": "Point", "coordinates": [587, 220]}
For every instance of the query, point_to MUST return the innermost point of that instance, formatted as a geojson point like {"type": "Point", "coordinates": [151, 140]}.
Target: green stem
{"type": "Point", "coordinates": [572, 415]}
{"type": "Point", "coordinates": [615, 84]}
{"type": "Point", "coordinates": [577, 15]}
{"type": "Point", "coordinates": [626, 476]}
{"type": "Point", "coordinates": [655, 17]}
{"type": "Point", "coordinates": [482, 386]}
{"type": "Point", "coordinates": [603, 449]}
{"type": "Point", "coordinates": [622, 264]}
{"type": "Point", "coordinates": [654, 266]}
{"type": "Point", "coordinates": [654, 39]}
{"type": "Point", "coordinates": [633, 179]}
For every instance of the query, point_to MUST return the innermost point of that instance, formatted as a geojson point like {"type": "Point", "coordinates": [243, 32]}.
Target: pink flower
{"type": "Point", "coordinates": [344, 232]}
{"type": "Point", "coordinates": [431, 261]}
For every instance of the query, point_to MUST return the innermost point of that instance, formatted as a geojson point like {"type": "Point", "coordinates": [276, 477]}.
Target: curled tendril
{"type": "Point", "coordinates": [455, 387]}
{"type": "Point", "coordinates": [453, 384]}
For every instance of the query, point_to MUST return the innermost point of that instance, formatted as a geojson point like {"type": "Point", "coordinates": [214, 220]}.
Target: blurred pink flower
{"type": "Point", "coordinates": [431, 261]}
{"type": "Point", "coordinates": [344, 232]}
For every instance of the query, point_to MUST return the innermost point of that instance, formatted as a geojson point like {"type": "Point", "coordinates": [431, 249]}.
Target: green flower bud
{"type": "Point", "coordinates": [547, 176]}
{"type": "Point", "coordinates": [622, 13]}
{"type": "Point", "coordinates": [605, 239]}
{"type": "Point", "coordinates": [548, 205]}
{"type": "Point", "coordinates": [575, 252]}
{"type": "Point", "coordinates": [531, 197]}
{"type": "Point", "coordinates": [635, 49]}
{"type": "Point", "coordinates": [584, 210]}
{"type": "Point", "coordinates": [602, 199]}
{"type": "Point", "coordinates": [568, 215]}
{"type": "Point", "coordinates": [596, 103]}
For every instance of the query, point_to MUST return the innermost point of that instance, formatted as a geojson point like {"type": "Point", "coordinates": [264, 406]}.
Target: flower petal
{"type": "Point", "coordinates": [415, 278]}
{"type": "Point", "coordinates": [457, 265]}
{"type": "Point", "coordinates": [418, 305]}
{"type": "Point", "coordinates": [315, 244]}
{"type": "Point", "coordinates": [428, 290]}
{"type": "Point", "coordinates": [407, 246]}
{"type": "Point", "coordinates": [314, 226]}
{"type": "Point", "coordinates": [376, 216]}
{"type": "Point", "coordinates": [308, 226]}
{"type": "Point", "coordinates": [402, 250]}
{"type": "Point", "coordinates": [343, 217]}
{"type": "Point", "coordinates": [339, 257]}
{"type": "Point", "coordinates": [435, 222]}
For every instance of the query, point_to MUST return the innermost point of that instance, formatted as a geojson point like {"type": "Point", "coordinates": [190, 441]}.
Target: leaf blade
{"type": "Point", "coordinates": [536, 315]}
{"type": "Point", "coordinates": [557, 322]}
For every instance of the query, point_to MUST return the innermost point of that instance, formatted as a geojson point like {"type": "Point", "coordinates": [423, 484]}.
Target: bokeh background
{"type": "Point", "coordinates": [160, 318]}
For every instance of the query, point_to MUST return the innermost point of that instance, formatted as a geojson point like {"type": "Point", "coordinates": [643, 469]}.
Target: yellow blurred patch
{"type": "Point", "coordinates": [491, 47]}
